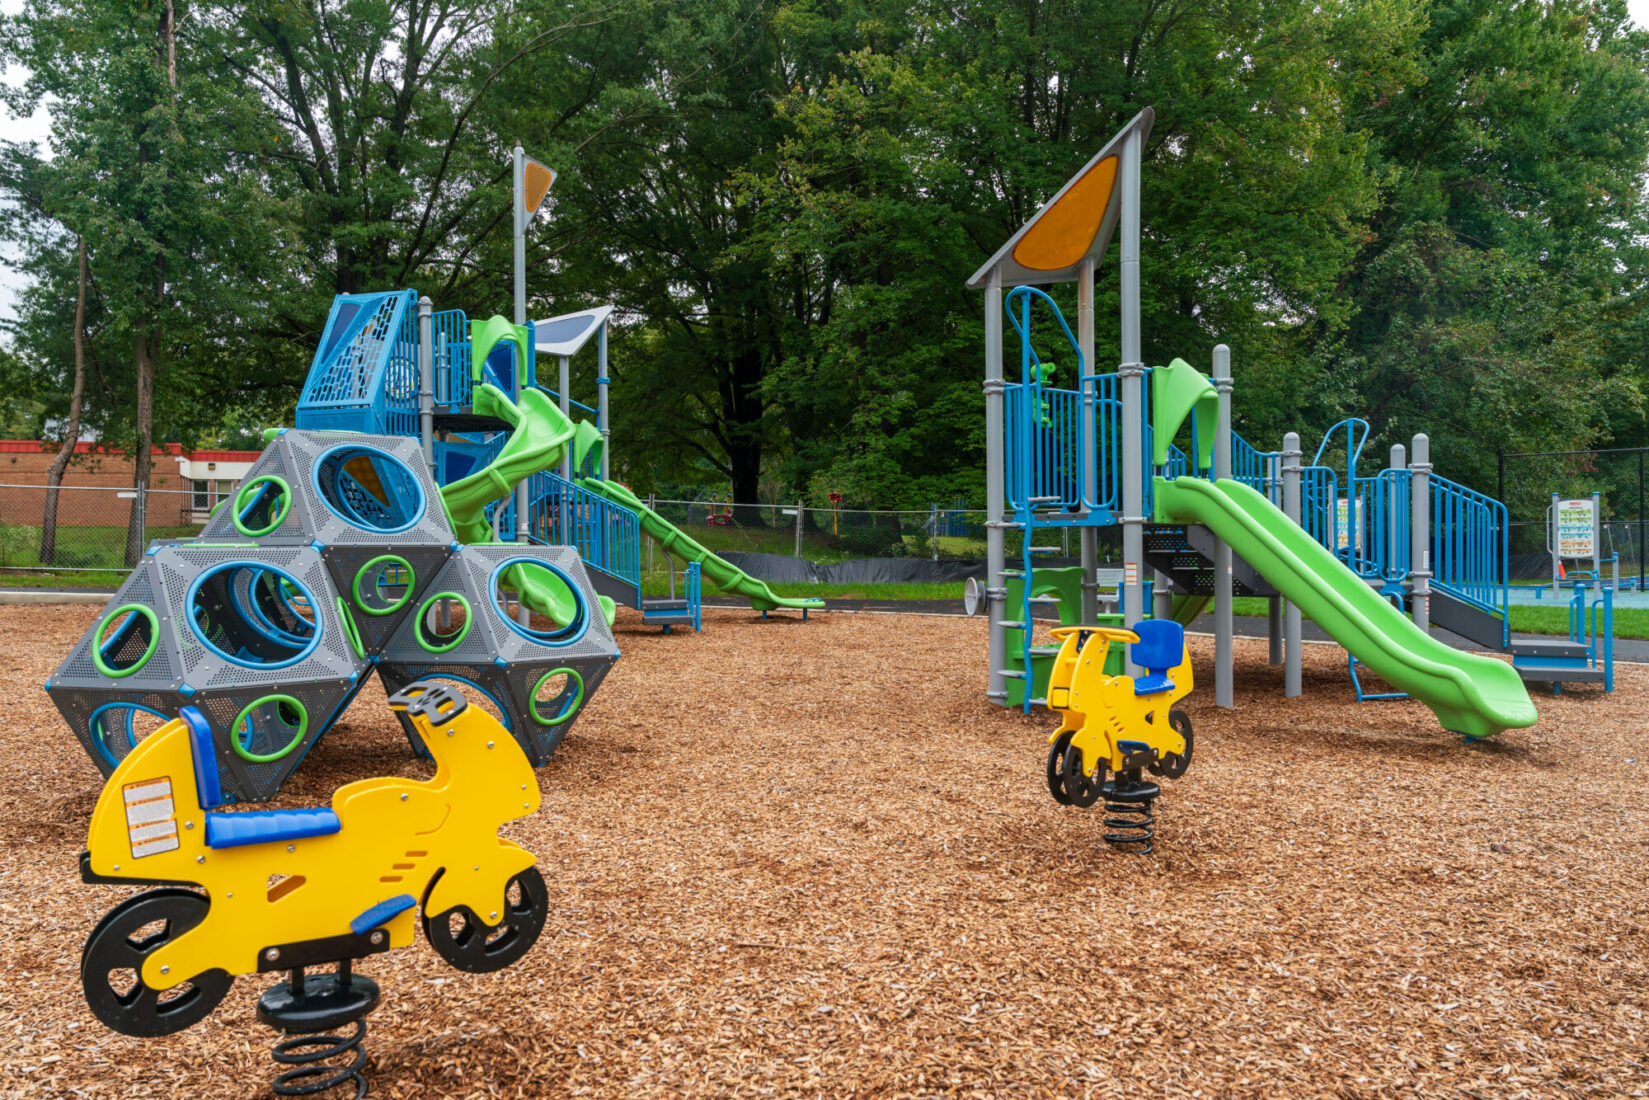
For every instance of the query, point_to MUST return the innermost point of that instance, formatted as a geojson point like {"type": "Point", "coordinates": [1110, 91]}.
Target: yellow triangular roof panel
{"type": "Point", "coordinates": [1066, 230]}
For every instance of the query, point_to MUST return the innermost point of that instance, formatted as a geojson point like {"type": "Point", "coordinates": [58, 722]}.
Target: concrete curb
{"type": "Point", "coordinates": [47, 596]}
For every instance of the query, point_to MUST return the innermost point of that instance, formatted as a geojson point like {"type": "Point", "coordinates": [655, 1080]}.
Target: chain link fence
{"type": "Point", "coordinates": [92, 525]}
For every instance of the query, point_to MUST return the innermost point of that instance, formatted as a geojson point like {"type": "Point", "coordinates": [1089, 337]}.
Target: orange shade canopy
{"type": "Point", "coordinates": [1066, 230]}
{"type": "Point", "coordinates": [538, 180]}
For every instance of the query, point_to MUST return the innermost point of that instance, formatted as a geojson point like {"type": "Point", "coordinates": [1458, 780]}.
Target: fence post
{"type": "Point", "coordinates": [1291, 507]}
{"type": "Point", "coordinates": [1597, 538]}
{"type": "Point", "coordinates": [1420, 532]}
{"type": "Point", "coordinates": [933, 530]}
{"type": "Point", "coordinates": [652, 506]}
{"type": "Point", "coordinates": [1224, 686]}
{"type": "Point", "coordinates": [799, 506]}
{"type": "Point", "coordinates": [426, 381]}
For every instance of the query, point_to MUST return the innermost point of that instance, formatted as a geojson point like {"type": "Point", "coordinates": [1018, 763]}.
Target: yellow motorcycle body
{"type": "Point", "coordinates": [286, 888]}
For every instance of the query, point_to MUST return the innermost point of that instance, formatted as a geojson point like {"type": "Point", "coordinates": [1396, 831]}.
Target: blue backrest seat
{"type": "Point", "coordinates": [1161, 647]}
{"type": "Point", "coordinates": [206, 757]}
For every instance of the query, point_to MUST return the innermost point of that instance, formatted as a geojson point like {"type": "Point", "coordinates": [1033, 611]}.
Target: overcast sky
{"type": "Point", "coordinates": [38, 128]}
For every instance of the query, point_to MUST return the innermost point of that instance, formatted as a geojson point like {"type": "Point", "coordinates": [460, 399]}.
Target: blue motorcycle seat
{"type": "Point", "coordinates": [230, 830]}
{"type": "Point", "coordinates": [1155, 682]}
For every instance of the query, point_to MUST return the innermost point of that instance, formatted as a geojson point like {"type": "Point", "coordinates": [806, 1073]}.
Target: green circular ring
{"type": "Point", "coordinates": [423, 611]}
{"type": "Point", "coordinates": [255, 758]}
{"type": "Point", "coordinates": [281, 513]}
{"type": "Point", "coordinates": [350, 632]}
{"type": "Point", "coordinates": [572, 708]}
{"type": "Point", "coordinates": [97, 644]}
{"type": "Point", "coordinates": [406, 597]}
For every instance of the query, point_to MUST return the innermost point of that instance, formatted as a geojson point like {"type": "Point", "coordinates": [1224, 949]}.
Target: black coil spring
{"type": "Point", "coordinates": [1132, 821]}
{"type": "Point", "coordinates": [304, 1052]}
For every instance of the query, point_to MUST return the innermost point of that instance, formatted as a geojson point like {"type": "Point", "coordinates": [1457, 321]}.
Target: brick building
{"type": "Point", "coordinates": [186, 484]}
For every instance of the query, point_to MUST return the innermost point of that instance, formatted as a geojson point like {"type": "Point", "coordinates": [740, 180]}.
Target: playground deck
{"type": "Point", "coordinates": [813, 860]}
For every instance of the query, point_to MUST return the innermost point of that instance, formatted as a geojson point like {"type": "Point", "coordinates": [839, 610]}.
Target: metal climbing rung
{"type": "Point", "coordinates": [1044, 650]}
{"type": "Point", "coordinates": [1012, 674]}
{"type": "Point", "coordinates": [1044, 549]}
{"type": "Point", "coordinates": [1013, 572]}
{"type": "Point", "coordinates": [1039, 702]}
{"type": "Point", "coordinates": [1044, 500]}
{"type": "Point", "coordinates": [1044, 599]}
{"type": "Point", "coordinates": [1013, 624]}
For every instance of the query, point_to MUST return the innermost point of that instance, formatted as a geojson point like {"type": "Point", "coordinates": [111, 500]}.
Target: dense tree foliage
{"type": "Point", "coordinates": [1429, 214]}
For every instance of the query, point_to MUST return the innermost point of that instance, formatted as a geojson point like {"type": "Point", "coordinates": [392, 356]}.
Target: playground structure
{"type": "Point", "coordinates": [470, 392]}
{"type": "Point", "coordinates": [291, 889]}
{"type": "Point", "coordinates": [334, 558]}
{"type": "Point", "coordinates": [1222, 517]}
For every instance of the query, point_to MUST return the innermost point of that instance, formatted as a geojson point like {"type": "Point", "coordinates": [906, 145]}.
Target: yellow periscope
{"type": "Point", "coordinates": [1120, 723]}
{"type": "Point", "coordinates": [287, 888]}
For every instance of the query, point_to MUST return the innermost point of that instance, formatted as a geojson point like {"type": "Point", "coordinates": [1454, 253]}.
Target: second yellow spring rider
{"type": "Point", "coordinates": [1124, 724]}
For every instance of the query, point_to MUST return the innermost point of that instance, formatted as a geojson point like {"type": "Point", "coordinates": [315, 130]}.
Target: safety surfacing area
{"type": "Point", "coordinates": [793, 858]}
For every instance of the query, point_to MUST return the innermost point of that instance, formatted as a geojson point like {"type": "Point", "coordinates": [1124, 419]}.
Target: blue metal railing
{"type": "Point", "coordinates": [452, 358]}
{"type": "Point", "coordinates": [606, 535]}
{"type": "Point", "coordinates": [1469, 553]}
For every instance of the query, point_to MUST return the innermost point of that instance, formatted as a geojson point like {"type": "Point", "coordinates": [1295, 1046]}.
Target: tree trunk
{"type": "Point", "coordinates": [60, 464]}
{"type": "Point", "coordinates": [143, 460]}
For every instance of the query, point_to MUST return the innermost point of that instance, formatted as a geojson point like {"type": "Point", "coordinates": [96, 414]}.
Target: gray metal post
{"type": "Point", "coordinates": [799, 507]}
{"type": "Point", "coordinates": [1274, 604]}
{"type": "Point", "coordinates": [1597, 537]}
{"type": "Point", "coordinates": [933, 531]}
{"type": "Point", "coordinates": [602, 382]}
{"type": "Point", "coordinates": [1224, 683]}
{"type": "Point", "coordinates": [426, 381]}
{"type": "Point", "coordinates": [996, 592]}
{"type": "Point", "coordinates": [1420, 532]}
{"type": "Point", "coordinates": [522, 504]}
{"type": "Point", "coordinates": [1162, 596]}
{"type": "Point", "coordinates": [1291, 616]}
{"type": "Point", "coordinates": [1089, 536]}
{"type": "Point", "coordinates": [1557, 554]}
{"type": "Point", "coordinates": [1131, 372]}
{"type": "Point", "coordinates": [1394, 519]}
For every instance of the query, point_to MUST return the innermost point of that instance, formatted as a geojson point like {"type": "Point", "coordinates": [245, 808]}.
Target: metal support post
{"type": "Point", "coordinates": [996, 592]}
{"type": "Point", "coordinates": [1393, 548]}
{"type": "Point", "coordinates": [1420, 532]}
{"type": "Point", "coordinates": [1597, 538]}
{"type": "Point", "coordinates": [1224, 682]}
{"type": "Point", "coordinates": [1552, 530]}
{"type": "Point", "coordinates": [1088, 536]}
{"type": "Point", "coordinates": [1131, 374]}
{"type": "Point", "coordinates": [565, 380]}
{"type": "Point", "coordinates": [1291, 617]}
{"type": "Point", "coordinates": [601, 383]}
{"type": "Point", "coordinates": [426, 382]}
{"type": "Point", "coordinates": [522, 520]}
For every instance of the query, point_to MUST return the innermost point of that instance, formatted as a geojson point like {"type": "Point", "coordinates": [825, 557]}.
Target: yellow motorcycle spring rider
{"type": "Point", "coordinates": [1125, 724]}
{"type": "Point", "coordinates": [281, 890]}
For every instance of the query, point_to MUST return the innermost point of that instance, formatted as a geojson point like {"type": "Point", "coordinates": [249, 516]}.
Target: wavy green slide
{"type": "Point", "coordinates": [1471, 694]}
{"type": "Point", "coordinates": [726, 576]}
{"type": "Point", "coordinates": [538, 439]}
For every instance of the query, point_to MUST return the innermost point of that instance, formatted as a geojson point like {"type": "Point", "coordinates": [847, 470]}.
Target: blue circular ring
{"type": "Point", "coordinates": [101, 738]}
{"type": "Point", "coordinates": [554, 639]}
{"type": "Point", "coordinates": [194, 627]}
{"type": "Point", "coordinates": [257, 615]}
{"type": "Point", "coordinates": [315, 479]}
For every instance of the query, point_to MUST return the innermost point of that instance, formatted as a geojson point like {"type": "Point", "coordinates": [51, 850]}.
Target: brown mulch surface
{"type": "Point", "coordinates": [809, 859]}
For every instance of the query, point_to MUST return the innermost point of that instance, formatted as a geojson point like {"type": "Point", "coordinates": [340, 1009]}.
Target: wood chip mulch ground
{"type": "Point", "coordinates": [808, 859]}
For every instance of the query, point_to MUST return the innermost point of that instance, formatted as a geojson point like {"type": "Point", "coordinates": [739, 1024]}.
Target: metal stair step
{"type": "Point", "coordinates": [1525, 648]}
{"type": "Point", "coordinates": [1560, 674]}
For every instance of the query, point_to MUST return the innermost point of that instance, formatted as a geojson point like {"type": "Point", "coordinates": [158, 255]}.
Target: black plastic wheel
{"type": "Point", "coordinates": [122, 940]}
{"type": "Point", "coordinates": [466, 943]}
{"type": "Point", "coordinates": [1056, 768]}
{"type": "Point", "coordinates": [1082, 790]}
{"type": "Point", "coordinates": [1175, 763]}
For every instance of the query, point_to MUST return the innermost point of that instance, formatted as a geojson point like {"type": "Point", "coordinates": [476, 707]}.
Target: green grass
{"type": "Point", "coordinates": [97, 578]}
{"type": "Point", "coordinates": [78, 547]}
{"type": "Point", "coordinates": [1630, 622]}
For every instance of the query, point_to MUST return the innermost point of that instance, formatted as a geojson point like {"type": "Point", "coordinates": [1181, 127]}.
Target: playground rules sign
{"type": "Point", "coordinates": [1574, 529]}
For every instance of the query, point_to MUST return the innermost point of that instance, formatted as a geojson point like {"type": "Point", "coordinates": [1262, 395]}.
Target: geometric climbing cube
{"type": "Point", "coordinates": [539, 676]}
{"type": "Point", "coordinates": [256, 637]}
{"type": "Point", "coordinates": [366, 502]}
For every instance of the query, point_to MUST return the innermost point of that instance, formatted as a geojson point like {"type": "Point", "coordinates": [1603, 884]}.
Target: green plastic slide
{"type": "Point", "coordinates": [1471, 694]}
{"type": "Point", "coordinates": [538, 440]}
{"type": "Point", "coordinates": [726, 576]}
